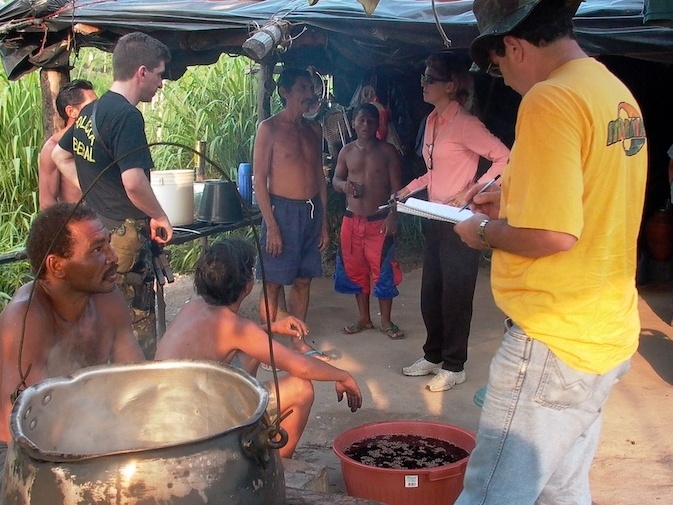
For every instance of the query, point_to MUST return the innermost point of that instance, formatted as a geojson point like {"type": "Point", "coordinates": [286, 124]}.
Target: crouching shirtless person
{"type": "Point", "coordinates": [210, 328]}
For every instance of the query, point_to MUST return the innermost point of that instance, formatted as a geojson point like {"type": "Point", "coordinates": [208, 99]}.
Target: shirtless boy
{"type": "Point", "coordinates": [368, 171]}
{"type": "Point", "coordinates": [209, 328]}
{"type": "Point", "coordinates": [76, 317]}
{"type": "Point", "coordinates": [54, 187]}
{"type": "Point", "coordinates": [292, 197]}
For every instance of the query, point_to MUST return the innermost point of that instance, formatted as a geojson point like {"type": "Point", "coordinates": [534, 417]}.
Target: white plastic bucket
{"type": "Point", "coordinates": [174, 190]}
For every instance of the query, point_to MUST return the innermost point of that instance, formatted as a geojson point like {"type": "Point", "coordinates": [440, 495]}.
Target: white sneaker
{"type": "Point", "coordinates": [445, 380]}
{"type": "Point", "coordinates": [421, 367]}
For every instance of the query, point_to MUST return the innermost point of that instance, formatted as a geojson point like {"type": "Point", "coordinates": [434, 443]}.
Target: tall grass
{"type": "Point", "coordinates": [20, 143]}
{"type": "Point", "coordinates": [216, 104]}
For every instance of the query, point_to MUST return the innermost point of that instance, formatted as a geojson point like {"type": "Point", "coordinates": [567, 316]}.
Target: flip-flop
{"type": "Point", "coordinates": [393, 332]}
{"type": "Point", "coordinates": [268, 368]}
{"type": "Point", "coordinates": [315, 353]}
{"type": "Point", "coordinates": [356, 328]}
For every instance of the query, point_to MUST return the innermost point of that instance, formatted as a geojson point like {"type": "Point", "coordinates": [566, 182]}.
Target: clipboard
{"type": "Point", "coordinates": [432, 210]}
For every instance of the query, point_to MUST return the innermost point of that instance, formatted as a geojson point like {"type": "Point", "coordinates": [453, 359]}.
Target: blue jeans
{"type": "Point", "coordinates": [539, 428]}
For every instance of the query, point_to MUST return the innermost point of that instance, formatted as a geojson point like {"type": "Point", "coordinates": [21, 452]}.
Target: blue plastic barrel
{"type": "Point", "coordinates": [245, 182]}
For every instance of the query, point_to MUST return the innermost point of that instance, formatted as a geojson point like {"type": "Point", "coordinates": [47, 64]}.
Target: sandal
{"type": "Point", "coordinates": [268, 368]}
{"type": "Point", "coordinates": [393, 332]}
{"type": "Point", "coordinates": [356, 328]}
{"type": "Point", "coordinates": [315, 353]}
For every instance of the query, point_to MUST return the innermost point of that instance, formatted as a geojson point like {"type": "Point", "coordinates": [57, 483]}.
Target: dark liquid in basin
{"type": "Point", "coordinates": [405, 452]}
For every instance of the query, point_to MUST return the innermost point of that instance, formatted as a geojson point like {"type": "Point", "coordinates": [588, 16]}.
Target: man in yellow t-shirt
{"type": "Point", "coordinates": [564, 232]}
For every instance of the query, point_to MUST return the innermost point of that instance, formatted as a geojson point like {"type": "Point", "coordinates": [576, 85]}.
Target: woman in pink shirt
{"type": "Point", "coordinates": [453, 143]}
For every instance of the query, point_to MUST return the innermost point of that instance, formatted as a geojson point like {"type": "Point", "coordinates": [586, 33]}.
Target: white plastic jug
{"type": "Point", "coordinates": [174, 190]}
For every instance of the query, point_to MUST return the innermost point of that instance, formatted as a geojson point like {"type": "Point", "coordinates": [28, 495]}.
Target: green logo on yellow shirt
{"type": "Point", "coordinates": [628, 129]}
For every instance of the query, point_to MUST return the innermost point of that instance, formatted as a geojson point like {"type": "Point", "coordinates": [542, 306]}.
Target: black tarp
{"type": "Point", "coordinates": [658, 12]}
{"type": "Point", "coordinates": [331, 33]}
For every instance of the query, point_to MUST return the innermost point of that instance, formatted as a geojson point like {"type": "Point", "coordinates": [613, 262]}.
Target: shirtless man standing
{"type": "Point", "coordinates": [54, 187]}
{"type": "Point", "coordinates": [368, 170]}
{"type": "Point", "coordinates": [292, 197]}
{"type": "Point", "coordinates": [76, 316]}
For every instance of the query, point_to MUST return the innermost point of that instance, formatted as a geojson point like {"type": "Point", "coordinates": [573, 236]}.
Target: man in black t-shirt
{"type": "Point", "coordinates": [106, 154]}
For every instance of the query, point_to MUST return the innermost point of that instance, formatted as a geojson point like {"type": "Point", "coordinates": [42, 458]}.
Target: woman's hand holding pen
{"type": "Point", "coordinates": [399, 195]}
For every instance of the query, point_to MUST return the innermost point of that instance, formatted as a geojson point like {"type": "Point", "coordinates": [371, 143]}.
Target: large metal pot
{"type": "Point", "coordinates": [168, 432]}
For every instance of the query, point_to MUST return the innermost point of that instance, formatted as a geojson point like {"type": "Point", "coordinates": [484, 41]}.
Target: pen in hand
{"type": "Point", "coordinates": [486, 186]}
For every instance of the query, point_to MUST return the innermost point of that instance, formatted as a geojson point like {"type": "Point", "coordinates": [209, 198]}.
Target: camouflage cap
{"type": "Point", "coordinates": [499, 17]}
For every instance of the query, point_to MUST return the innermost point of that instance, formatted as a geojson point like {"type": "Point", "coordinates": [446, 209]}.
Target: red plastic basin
{"type": "Point", "coordinates": [428, 486]}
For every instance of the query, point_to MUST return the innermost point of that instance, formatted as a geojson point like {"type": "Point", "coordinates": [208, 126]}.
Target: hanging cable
{"type": "Point", "coordinates": [21, 386]}
{"type": "Point", "coordinates": [442, 33]}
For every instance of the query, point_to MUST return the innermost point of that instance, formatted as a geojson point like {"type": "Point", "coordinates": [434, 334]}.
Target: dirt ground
{"type": "Point", "coordinates": [634, 464]}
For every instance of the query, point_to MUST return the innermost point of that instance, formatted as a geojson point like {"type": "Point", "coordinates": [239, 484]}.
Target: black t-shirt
{"type": "Point", "coordinates": [122, 130]}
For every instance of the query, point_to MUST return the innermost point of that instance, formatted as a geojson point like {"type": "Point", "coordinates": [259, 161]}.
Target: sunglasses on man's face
{"type": "Point", "coordinates": [493, 69]}
{"type": "Point", "coordinates": [430, 79]}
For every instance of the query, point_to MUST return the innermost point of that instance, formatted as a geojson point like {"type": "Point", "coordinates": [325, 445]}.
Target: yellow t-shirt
{"type": "Point", "coordinates": [578, 166]}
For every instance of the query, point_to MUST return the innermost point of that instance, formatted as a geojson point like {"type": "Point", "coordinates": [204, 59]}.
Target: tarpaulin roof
{"type": "Point", "coordinates": [658, 12]}
{"type": "Point", "coordinates": [40, 33]}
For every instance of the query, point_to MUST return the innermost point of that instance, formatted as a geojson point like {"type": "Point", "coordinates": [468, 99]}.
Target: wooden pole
{"type": "Point", "coordinates": [51, 81]}
{"type": "Point", "coordinates": [266, 87]}
{"type": "Point", "coordinates": [201, 147]}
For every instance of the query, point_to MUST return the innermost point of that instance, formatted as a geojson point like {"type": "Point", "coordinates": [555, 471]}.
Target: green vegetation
{"type": "Point", "coordinates": [215, 104]}
{"type": "Point", "coordinates": [20, 143]}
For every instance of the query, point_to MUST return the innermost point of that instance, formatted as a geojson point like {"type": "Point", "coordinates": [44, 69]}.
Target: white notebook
{"type": "Point", "coordinates": [432, 210]}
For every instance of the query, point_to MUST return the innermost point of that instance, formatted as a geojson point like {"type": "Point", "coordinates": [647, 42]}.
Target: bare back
{"type": "Point", "coordinates": [216, 333]}
{"type": "Point", "coordinates": [53, 347]}
{"type": "Point", "coordinates": [202, 331]}
{"type": "Point", "coordinates": [52, 185]}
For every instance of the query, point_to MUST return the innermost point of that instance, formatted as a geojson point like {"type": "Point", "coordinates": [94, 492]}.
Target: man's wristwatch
{"type": "Point", "coordinates": [481, 231]}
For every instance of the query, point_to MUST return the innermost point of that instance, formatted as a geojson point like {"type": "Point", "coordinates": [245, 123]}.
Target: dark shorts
{"type": "Point", "coordinates": [366, 257]}
{"type": "Point", "coordinates": [300, 223]}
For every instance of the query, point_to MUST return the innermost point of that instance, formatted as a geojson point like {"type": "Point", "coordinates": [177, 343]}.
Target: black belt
{"type": "Point", "coordinates": [374, 217]}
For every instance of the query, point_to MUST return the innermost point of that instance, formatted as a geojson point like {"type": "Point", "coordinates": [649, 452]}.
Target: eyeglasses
{"type": "Point", "coordinates": [431, 79]}
{"type": "Point", "coordinates": [493, 69]}
{"type": "Point", "coordinates": [430, 149]}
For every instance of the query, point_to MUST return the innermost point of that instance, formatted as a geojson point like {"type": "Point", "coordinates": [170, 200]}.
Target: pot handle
{"type": "Point", "coordinates": [278, 437]}
{"type": "Point", "coordinates": [445, 473]}
{"type": "Point", "coordinates": [260, 439]}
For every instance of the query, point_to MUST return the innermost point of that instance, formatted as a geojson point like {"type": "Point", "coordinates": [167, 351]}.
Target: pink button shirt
{"type": "Point", "coordinates": [454, 153]}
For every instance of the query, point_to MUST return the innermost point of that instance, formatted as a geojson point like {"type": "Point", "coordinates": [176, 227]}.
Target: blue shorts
{"type": "Point", "coordinates": [300, 223]}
